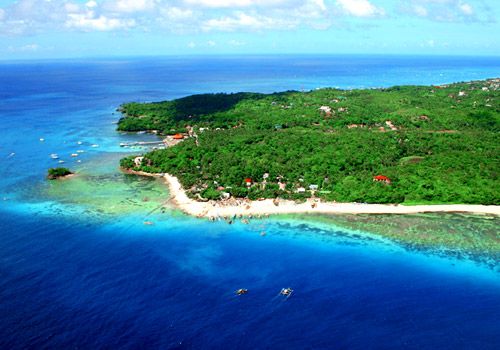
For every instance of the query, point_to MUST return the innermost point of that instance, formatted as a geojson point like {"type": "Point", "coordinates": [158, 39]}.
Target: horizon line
{"type": "Point", "coordinates": [235, 55]}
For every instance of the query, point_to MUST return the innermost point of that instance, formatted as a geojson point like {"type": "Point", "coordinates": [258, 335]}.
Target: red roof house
{"type": "Point", "coordinates": [178, 137]}
{"type": "Point", "coordinates": [382, 178]}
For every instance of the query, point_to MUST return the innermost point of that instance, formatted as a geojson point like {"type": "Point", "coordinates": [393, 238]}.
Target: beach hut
{"type": "Point", "coordinates": [382, 178]}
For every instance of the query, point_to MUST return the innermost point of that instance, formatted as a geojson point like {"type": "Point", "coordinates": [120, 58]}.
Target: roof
{"type": "Point", "coordinates": [248, 179]}
{"type": "Point", "coordinates": [178, 137]}
{"type": "Point", "coordinates": [381, 178]}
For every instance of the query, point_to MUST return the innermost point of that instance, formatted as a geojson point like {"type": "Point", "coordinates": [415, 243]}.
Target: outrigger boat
{"type": "Point", "coordinates": [241, 291]}
{"type": "Point", "coordinates": [287, 292]}
{"type": "Point", "coordinates": [54, 156]}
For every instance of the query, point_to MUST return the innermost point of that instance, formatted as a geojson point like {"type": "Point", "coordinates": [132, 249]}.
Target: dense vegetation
{"type": "Point", "coordinates": [435, 144]}
{"type": "Point", "coordinates": [55, 173]}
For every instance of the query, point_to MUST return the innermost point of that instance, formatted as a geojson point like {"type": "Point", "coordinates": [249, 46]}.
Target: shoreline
{"type": "Point", "coordinates": [64, 177]}
{"type": "Point", "coordinates": [245, 207]}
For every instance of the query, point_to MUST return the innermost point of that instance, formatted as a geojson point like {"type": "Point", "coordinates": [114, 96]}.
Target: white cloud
{"type": "Point", "coordinates": [420, 10]}
{"type": "Point", "coordinates": [176, 13]}
{"type": "Point", "coordinates": [241, 20]}
{"type": "Point", "coordinates": [240, 3]}
{"type": "Point", "coordinates": [466, 9]}
{"type": "Point", "coordinates": [236, 43]}
{"type": "Point", "coordinates": [91, 22]}
{"type": "Point", "coordinates": [91, 4]}
{"type": "Point", "coordinates": [320, 4]}
{"type": "Point", "coordinates": [28, 17]}
{"type": "Point", "coordinates": [129, 6]}
{"type": "Point", "coordinates": [360, 8]}
{"type": "Point", "coordinates": [24, 48]}
{"type": "Point", "coordinates": [441, 10]}
{"type": "Point", "coordinates": [73, 8]}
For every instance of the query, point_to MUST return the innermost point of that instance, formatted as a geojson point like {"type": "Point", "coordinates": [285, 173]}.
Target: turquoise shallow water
{"type": "Point", "coordinates": [78, 267]}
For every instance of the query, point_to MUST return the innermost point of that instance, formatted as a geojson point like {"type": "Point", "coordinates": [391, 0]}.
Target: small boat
{"type": "Point", "coordinates": [74, 154]}
{"type": "Point", "coordinates": [79, 142]}
{"type": "Point", "coordinates": [241, 291]}
{"type": "Point", "coordinates": [148, 223]}
{"type": "Point", "coordinates": [80, 151]}
{"type": "Point", "coordinates": [42, 139]}
{"type": "Point", "coordinates": [54, 156]}
{"type": "Point", "coordinates": [94, 145]}
{"type": "Point", "coordinates": [287, 292]}
{"type": "Point", "coordinates": [61, 161]}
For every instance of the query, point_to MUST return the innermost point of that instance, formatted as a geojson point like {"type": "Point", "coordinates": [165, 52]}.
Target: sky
{"type": "Point", "coordinates": [43, 29]}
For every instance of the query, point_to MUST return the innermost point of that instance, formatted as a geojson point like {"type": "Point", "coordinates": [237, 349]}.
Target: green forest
{"type": "Point", "coordinates": [433, 144]}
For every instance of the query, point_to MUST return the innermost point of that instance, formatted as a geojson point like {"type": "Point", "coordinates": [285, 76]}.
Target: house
{"type": "Point", "coordinates": [390, 125]}
{"type": "Point", "coordinates": [325, 109]}
{"type": "Point", "coordinates": [301, 190]}
{"type": "Point", "coordinates": [313, 187]}
{"type": "Point", "coordinates": [138, 161]}
{"type": "Point", "coordinates": [282, 186]}
{"type": "Point", "coordinates": [248, 181]}
{"type": "Point", "coordinates": [382, 178]}
{"type": "Point", "coordinates": [178, 137]}
{"type": "Point", "coordinates": [353, 126]}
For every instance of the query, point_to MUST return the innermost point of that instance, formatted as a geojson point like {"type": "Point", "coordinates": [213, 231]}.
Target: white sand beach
{"type": "Point", "coordinates": [213, 209]}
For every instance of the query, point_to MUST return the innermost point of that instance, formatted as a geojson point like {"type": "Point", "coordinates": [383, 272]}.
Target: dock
{"type": "Point", "coordinates": [140, 143]}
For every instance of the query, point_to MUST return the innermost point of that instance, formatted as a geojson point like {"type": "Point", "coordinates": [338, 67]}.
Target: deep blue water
{"type": "Point", "coordinates": [74, 277]}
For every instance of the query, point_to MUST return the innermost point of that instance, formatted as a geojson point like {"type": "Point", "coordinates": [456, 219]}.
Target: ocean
{"type": "Point", "coordinates": [79, 269]}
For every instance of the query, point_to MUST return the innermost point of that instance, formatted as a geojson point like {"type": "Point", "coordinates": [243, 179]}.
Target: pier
{"type": "Point", "coordinates": [141, 143]}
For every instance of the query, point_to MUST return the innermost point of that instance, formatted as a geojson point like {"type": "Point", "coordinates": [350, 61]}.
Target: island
{"type": "Point", "coordinates": [58, 173]}
{"type": "Point", "coordinates": [402, 149]}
